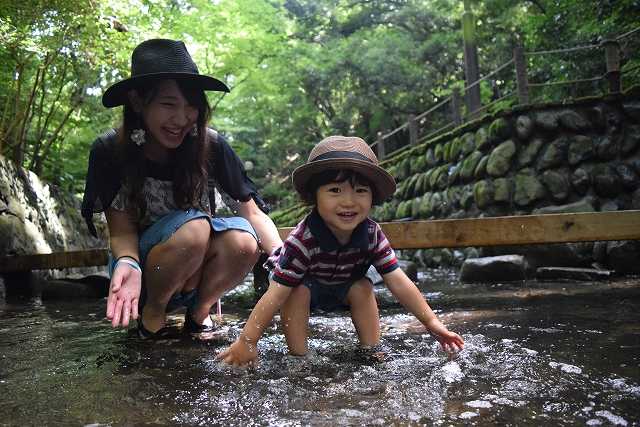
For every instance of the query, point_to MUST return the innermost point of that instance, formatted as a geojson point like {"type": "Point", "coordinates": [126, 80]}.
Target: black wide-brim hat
{"type": "Point", "coordinates": [160, 59]}
{"type": "Point", "coordinates": [345, 153]}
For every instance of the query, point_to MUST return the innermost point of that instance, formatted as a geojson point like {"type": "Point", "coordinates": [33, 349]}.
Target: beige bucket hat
{"type": "Point", "coordinates": [350, 153]}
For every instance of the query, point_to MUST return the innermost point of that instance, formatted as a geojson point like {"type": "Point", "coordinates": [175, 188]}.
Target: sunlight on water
{"type": "Point", "coordinates": [564, 362]}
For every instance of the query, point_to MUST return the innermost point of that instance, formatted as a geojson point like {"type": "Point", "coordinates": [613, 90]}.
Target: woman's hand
{"type": "Point", "coordinates": [124, 292]}
{"type": "Point", "coordinates": [241, 353]}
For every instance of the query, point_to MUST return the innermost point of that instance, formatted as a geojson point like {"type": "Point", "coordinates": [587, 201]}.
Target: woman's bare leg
{"type": "Point", "coordinates": [364, 312]}
{"type": "Point", "coordinates": [294, 317]}
{"type": "Point", "coordinates": [168, 267]}
{"type": "Point", "coordinates": [231, 256]}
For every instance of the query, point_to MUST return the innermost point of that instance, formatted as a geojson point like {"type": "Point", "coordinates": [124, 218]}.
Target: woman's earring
{"type": "Point", "coordinates": [137, 136]}
{"type": "Point", "coordinates": [194, 131]}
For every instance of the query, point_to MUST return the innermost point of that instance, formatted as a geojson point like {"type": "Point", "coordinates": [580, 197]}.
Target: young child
{"type": "Point", "coordinates": [323, 262]}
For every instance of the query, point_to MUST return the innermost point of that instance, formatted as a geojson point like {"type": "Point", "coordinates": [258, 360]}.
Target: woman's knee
{"type": "Point", "coordinates": [192, 237]}
{"type": "Point", "coordinates": [238, 245]}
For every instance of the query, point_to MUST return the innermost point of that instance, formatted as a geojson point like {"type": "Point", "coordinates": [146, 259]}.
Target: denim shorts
{"type": "Point", "coordinates": [164, 228]}
{"type": "Point", "coordinates": [329, 297]}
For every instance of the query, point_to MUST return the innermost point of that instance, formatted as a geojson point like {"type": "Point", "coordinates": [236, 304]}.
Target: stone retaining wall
{"type": "Point", "coordinates": [579, 156]}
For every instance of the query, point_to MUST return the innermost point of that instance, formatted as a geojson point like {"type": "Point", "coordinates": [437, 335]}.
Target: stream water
{"type": "Point", "coordinates": [568, 358]}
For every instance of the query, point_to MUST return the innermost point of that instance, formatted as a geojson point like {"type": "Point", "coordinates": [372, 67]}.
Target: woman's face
{"type": "Point", "coordinates": [168, 116]}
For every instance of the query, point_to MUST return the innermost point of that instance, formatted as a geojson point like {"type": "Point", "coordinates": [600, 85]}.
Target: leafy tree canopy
{"type": "Point", "coordinates": [299, 69]}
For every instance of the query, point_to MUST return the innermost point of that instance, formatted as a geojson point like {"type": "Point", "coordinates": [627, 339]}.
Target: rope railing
{"type": "Point", "coordinates": [612, 51]}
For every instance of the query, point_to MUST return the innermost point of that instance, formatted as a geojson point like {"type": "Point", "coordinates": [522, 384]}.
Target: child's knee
{"type": "Point", "coordinates": [362, 289]}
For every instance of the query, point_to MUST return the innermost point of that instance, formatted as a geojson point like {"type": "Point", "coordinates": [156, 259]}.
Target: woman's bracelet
{"type": "Point", "coordinates": [129, 260]}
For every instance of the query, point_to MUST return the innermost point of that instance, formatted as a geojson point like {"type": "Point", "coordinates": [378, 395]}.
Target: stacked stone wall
{"type": "Point", "coordinates": [579, 156]}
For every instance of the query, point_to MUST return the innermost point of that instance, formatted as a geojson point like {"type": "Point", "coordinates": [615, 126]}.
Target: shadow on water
{"type": "Point", "coordinates": [528, 361]}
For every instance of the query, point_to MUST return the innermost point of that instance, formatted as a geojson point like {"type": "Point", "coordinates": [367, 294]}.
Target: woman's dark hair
{"type": "Point", "coordinates": [190, 158]}
{"type": "Point", "coordinates": [329, 176]}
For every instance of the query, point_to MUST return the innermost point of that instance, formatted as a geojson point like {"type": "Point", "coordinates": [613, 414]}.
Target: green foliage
{"type": "Point", "coordinates": [299, 69]}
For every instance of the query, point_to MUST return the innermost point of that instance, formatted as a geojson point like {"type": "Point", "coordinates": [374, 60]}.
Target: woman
{"type": "Point", "coordinates": [153, 178]}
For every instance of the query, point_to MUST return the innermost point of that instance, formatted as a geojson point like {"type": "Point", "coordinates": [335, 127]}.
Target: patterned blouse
{"type": "Point", "coordinates": [105, 185]}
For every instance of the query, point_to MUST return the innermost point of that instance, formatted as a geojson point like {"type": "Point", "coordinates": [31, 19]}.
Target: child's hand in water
{"type": "Point", "coordinates": [450, 341]}
{"type": "Point", "coordinates": [241, 353]}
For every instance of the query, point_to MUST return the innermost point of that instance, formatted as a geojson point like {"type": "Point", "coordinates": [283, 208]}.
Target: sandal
{"type": "Point", "coordinates": [145, 334]}
{"type": "Point", "coordinates": [190, 326]}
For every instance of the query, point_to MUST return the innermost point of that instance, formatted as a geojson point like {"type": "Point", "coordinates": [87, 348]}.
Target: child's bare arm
{"type": "Point", "coordinates": [411, 299]}
{"type": "Point", "coordinates": [244, 350]}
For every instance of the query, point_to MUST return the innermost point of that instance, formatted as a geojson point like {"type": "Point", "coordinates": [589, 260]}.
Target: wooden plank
{"type": "Point", "coordinates": [56, 260]}
{"type": "Point", "coordinates": [511, 230]}
{"type": "Point", "coordinates": [515, 230]}
{"type": "Point", "coordinates": [445, 233]}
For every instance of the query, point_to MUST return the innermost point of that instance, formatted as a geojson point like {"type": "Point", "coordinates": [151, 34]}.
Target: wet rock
{"type": "Point", "coordinates": [581, 148]}
{"type": "Point", "coordinates": [606, 182]}
{"type": "Point", "coordinates": [425, 206]}
{"type": "Point", "coordinates": [529, 153]}
{"type": "Point", "coordinates": [632, 109]}
{"type": "Point", "coordinates": [547, 121]}
{"type": "Point", "coordinates": [483, 194]}
{"type": "Point", "coordinates": [90, 287]}
{"type": "Point", "coordinates": [524, 127]}
{"type": "Point", "coordinates": [573, 121]}
{"type": "Point", "coordinates": [410, 268]}
{"type": "Point", "coordinates": [455, 149]}
{"type": "Point", "coordinates": [468, 143]}
{"type": "Point", "coordinates": [609, 206]}
{"type": "Point", "coordinates": [607, 147]}
{"type": "Point", "coordinates": [557, 184]}
{"type": "Point", "coordinates": [554, 154]}
{"type": "Point", "coordinates": [502, 190]}
{"type": "Point", "coordinates": [439, 153]}
{"type": "Point", "coordinates": [493, 269]}
{"type": "Point", "coordinates": [631, 140]}
{"type": "Point", "coordinates": [481, 169]}
{"type": "Point", "coordinates": [527, 188]}
{"type": "Point", "coordinates": [600, 252]}
{"type": "Point", "coordinates": [437, 207]}
{"type": "Point", "coordinates": [500, 159]}
{"type": "Point", "coordinates": [548, 255]}
{"type": "Point", "coordinates": [499, 130]}
{"type": "Point", "coordinates": [635, 199]}
{"type": "Point", "coordinates": [466, 197]}
{"type": "Point", "coordinates": [430, 158]}
{"type": "Point", "coordinates": [481, 140]}
{"type": "Point", "coordinates": [584, 205]}
{"type": "Point", "coordinates": [623, 256]}
{"type": "Point", "coordinates": [580, 180]}
{"type": "Point", "coordinates": [597, 117]}
{"type": "Point", "coordinates": [469, 165]}
{"type": "Point", "coordinates": [453, 174]}
{"type": "Point", "coordinates": [568, 273]}
{"type": "Point", "coordinates": [628, 176]}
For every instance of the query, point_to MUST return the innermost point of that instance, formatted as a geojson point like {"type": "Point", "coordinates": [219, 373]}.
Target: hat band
{"type": "Point", "coordinates": [342, 155]}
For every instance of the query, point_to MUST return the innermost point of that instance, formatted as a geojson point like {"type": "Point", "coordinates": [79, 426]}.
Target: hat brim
{"type": "Point", "coordinates": [383, 182]}
{"type": "Point", "coordinates": [117, 94]}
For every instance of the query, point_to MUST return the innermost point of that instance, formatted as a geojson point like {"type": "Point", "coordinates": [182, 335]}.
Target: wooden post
{"type": "Point", "coordinates": [380, 147]}
{"type": "Point", "coordinates": [471, 69]}
{"type": "Point", "coordinates": [413, 130]}
{"type": "Point", "coordinates": [455, 107]}
{"type": "Point", "coordinates": [521, 75]}
{"type": "Point", "coordinates": [612, 58]}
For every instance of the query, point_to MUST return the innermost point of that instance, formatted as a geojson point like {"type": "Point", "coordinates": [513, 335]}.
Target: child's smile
{"type": "Point", "coordinates": [343, 206]}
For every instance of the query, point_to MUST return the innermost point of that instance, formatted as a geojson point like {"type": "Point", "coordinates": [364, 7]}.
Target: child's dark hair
{"type": "Point", "coordinates": [329, 176]}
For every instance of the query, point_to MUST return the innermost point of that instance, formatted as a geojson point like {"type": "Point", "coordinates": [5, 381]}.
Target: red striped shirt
{"type": "Point", "coordinates": [312, 251]}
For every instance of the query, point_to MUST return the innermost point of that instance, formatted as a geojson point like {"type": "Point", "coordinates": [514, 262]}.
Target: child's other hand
{"type": "Point", "coordinates": [241, 353]}
{"type": "Point", "coordinates": [450, 341]}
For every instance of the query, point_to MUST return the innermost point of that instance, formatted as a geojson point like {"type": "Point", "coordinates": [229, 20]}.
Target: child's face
{"type": "Point", "coordinates": [169, 116]}
{"type": "Point", "coordinates": [343, 206]}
